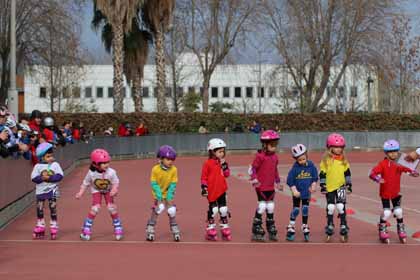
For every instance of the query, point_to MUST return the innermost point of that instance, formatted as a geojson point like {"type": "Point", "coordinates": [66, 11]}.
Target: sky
{"type": "Point", "coordinates": [92, 40]}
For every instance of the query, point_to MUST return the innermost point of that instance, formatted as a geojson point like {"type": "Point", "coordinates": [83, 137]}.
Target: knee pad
{"type": "Point", "coordinates": [387, 214]}
{"type": "Point", "coordinates": [95, 209]}
{"type": "Point", "coordinates": [172, 211]}
{"type": "Point", "coordinates": [340, 208]}
{"type": "Point", "coordinates": [52, 204]}
{"type": "Point", "coordinates": [215, 210]}
{"type": "Point", "coordinates": [223, 211]}
{"type": "Point", "coordinates": [270, 207]}
{"type": "Point", "coordinates": [398, 212]}
{"type": "Point", "coordinates": [262, 206]}
{"type": "Point", "coordinates": [330, 209]}
{"type": "Point", "coordinates": [112, 208]}
{"type": "Point", "coordinates": [305, 210]}
{"type": "Point", "coordinates": [295, 213]}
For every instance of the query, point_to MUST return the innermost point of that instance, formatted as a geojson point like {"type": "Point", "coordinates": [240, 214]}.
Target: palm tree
{"type": "Point", "coordinates": [157, 15]}
{"type": "Point", "coordinates": [136, 51]}
{"type": "Point", "coordinates": [119, 14]}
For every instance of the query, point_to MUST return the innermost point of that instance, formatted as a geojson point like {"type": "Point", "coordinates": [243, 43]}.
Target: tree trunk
{"type": "Point", "coordinates": [136, 94]}
{"type": "Point", "coordinates": [174, 87]}
{"type": "Point", "coordinates": [4, 83]}
{"type": "Point", "coordinates": [117, 59]}
{"type": "Point", "coordinates": [160, 72]}
{"type": "Point", "coordinates": [205, 97]}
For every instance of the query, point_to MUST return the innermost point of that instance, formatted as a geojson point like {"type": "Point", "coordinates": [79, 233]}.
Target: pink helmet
{"type": "Point", "coordinates": [336, 140]}
{"type": "Point", "coordinates": [269, 135]}
{"type": "Point", "coordinates": [99, 156]}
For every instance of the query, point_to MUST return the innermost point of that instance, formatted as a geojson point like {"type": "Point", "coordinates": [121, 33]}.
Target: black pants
{"type": "Point", "coordinates": [337, 196]}
{"type": "Point", "coordinates": [52, 203]}
{"type": "Point", "coordinates": [296, 204]}
{"type": "Point", "coordinates": [220, 202]}
{"type": "Point", "coordinates": [396, 203]}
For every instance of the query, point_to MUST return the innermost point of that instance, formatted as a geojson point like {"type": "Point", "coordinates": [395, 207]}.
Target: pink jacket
{"type": "Point", "coordinates": [264, 169]}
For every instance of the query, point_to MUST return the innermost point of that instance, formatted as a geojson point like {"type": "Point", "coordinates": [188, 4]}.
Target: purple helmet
{"type": "Point", "coordinates": [42, 149]}
{"type": "Point", "coordinates": [166, 151]}
{"type": "Point", "coordinates": [391, 145]}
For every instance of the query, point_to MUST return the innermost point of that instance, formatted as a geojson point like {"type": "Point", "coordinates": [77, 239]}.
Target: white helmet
{"type": "Point", "coordinates": [48, 121]}
{"type": "Point", "coordinates": [298, 150]}
{"type": "Point", "coordinates": [10, 123]}
{"type": "Point", "coordinates": [25, 127]}
{"type": "Point", "coordinates": [215, 143]}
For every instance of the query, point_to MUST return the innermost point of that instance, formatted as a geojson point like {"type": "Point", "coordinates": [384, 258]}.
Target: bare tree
{"type": "Point", "coordinates": [317, 40]}
{"type": "Point", "coordinates": [58, 51]}
{"type": "Point", "coordinates": [213, 28]}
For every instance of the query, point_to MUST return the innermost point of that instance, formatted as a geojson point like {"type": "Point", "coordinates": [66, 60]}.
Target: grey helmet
{"type": "Point", "coordinates": [48, 122]}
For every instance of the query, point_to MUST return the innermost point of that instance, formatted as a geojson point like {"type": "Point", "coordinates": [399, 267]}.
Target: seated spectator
{"type": "Point", "coordinates": [125, 130]}
{"type": "Point", "coordinates": [75, 131]}
{"type": "Point", "coordinates": [67, 133]}
{"type": "Point", "coordinates": [141, 129]}
{"type": "Point", "coordinates": [202, 129]}
{"type": "Point", "coordinates": [109, 131]}
{"type": "Point", "coordinates": [255, 127]}
{"type": "Point", "coordinates": [35, 120]}
{"type": "Point", "coordinates": [238, 128]}
{"type": "Point", "coordinates": [24, 120]}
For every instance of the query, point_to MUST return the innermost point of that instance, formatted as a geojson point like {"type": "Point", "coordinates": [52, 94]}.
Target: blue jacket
{"type": "Point", "coordinates": [302, 176]}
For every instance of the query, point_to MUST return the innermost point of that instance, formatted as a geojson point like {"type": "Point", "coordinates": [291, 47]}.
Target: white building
{"type": "Point", "coordinates": [234, 84]}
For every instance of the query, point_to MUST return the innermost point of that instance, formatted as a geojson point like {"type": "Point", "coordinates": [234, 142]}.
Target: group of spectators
{"type": "Point", "coordinates": [21, 139]}
{"type": "Point", "coordinates": [126, 130]}
{"type": "Point", "coordinates": [255, 127]}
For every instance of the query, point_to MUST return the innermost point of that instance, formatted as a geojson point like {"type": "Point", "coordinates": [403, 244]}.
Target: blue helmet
{"type": "Point", "coordinates": [391, 146]}
{"type": "Point", "coordinates": [42, 149]}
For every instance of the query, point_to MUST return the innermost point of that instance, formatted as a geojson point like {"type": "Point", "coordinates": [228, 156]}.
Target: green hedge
{"type": "Point", "coordinates": [217, 122]}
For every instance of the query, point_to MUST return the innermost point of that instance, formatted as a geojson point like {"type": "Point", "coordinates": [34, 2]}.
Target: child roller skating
{"type": "Point", "coordinates": [163, 179]}
{"type": "Point", "coordinates": [265, 178]}
{"type": "Point", "coordinates": [46, 175]}
{"type": "Point", "coordinates": [302, 180]}
{"type": "Point", "coordinates": [213, 186]}
{"type": "Point", "coordinates": [388, 174]}
{"type": "Point", "coordinates": [335, 182]}
{"type": "Point", "coordinates": [104, 183]}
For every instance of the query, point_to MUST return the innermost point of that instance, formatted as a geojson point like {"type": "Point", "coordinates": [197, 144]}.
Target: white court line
{"type": "Point", "coordinates": [210, 243]}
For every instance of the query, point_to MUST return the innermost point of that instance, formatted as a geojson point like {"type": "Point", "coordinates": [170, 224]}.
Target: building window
{"type": "Point", "coordinates": [201, 91]}
{"type": "Point", "coordinates": [262, 91]}
{"type": "Point", "coordinates": [76, 92]}
{"type": "Point", "coordinates": [238, 92]}
{"type": "Point", "coordinates": [226, 92]}
{"type": "Point", "coordinates": [168, 92]}
{"type": "Point", "coordinates": [214, 92]}
{"type": "Point", "coordinates": [353, 92]}
{"type": "Point", "coordinates": [110, 92]}
{"type": "Point", "coordinates": [249, 92]}
{"type": "Point", "coordinates": [155, 91]}
{"type": "Point", "coordinates": [43, 92]}
{"type": "Point", "coordinates": [272, 92]}
{"type": "Point", "coordinates": [65, 92]}
{"type": "Point", "coordinates": [329, 91]}
{"type": "Point", "coordinates": [88, 92]}
{"type": "Point", "coordinates": [179, 91]}
{"type": "Point", "coordinates": [341, 92]}
{"type": "Point", "coordinates": [191, 89]}
{"type": "Point", "coordinates": [99, 92]}
{"type": "Point", "coordinates": [145, 92]}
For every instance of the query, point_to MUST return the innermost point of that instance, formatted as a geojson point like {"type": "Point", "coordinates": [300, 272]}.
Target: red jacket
{"type": "Point", "coordinates": [49, 135]}
{"type": "Point", "coordinates": [122, 131]}
{"type": "Point", "coordinates": [264, 169]}
{"type": "Point", "coordinates": [214, 178]}
{"type": "Point", "coordinates": [391, 172]}
{"type": "Point", "coordinates": [141, 131]}
{"type": "Point", "coordinates": [34, 126]}
{"type": "Point", "coordinates": [76, 134]}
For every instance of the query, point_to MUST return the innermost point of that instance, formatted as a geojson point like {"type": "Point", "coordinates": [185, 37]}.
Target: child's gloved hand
{"type": "Point", "coordinates": [204, 191]}
{"type": "Point", "coordinates": [323, 188]}
{"type": "Point", "coordinates": [414, 173]}
{"type": "Point", "coordinates": [255, 183]}
{"type": "Point", "coordinates": [349, 188]}
{"type": "Point", "coordinates": [295, 192]}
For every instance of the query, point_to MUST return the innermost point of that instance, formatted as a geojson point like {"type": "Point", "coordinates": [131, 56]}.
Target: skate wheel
{"type": "Point", "coordinates": [227, 238]}
{"type": "Point", "coordinates": [306, 238]}
{"type": "Point", "coordinates": [344, 239]}
{"type": "Point", "coordinates": [53, 237]}
{"type": "Point", "coordinates": [328, 238]}
{"type": "Point", "coordinates": [118, 237]}
{"type": "Point", "coordinates": [403, 240]}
